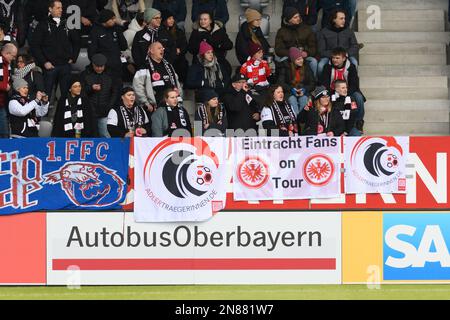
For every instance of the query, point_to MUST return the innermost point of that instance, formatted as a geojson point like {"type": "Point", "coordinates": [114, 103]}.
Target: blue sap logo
{"type": "Point", "coordinates": [416, 246]}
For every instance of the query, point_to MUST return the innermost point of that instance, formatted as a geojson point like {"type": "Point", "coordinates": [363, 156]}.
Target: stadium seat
{"type": "Point", "coordinates": [82, 61]}
{"type": "Point", "coordinates": [45, 129]}
{"type": "Point", "coordinates": [254, 4]}
{"type": "Point", "coordinates": [265, 24]}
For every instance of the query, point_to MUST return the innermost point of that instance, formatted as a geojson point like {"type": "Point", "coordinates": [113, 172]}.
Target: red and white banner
{"type": "Point", "coordinates": [179, 179]}
{"type": "Point", "coordinates": [376, 164]}
{"type": "Point", "coordinates": [271, 168]}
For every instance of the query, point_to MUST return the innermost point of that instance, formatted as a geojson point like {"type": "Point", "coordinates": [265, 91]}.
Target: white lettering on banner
{"type": "Point", "coordinates": [417, 257]}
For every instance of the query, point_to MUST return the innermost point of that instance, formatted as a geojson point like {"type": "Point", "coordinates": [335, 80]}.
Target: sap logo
{"type": "Point", "coordinates": [432, 247]}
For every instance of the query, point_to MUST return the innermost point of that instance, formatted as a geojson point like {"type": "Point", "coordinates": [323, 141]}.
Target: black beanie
{"type": "Point", "coordinates": [105, 15]}
{"type": "Point", "coordinates": [126, 90]}
{"type": "Point", "coordinates": [289, 12]}
{"type": "Point", "coordinates": [208, 94]}
{"type": "Point", "coordinates": [166, 14]}
{"type": "Point", "coordinates": [74, 78]}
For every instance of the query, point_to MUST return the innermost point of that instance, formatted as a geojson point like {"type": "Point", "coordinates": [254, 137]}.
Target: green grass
{"type": "Point", "coordinates": [263, 292]}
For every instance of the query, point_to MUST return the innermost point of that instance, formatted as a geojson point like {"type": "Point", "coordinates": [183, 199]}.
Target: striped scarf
{"type": "Point", "coordinates": [73, 115]}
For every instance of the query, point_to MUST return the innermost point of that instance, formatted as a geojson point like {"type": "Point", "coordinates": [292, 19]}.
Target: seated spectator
{"type": "Point", "coordinates": [336, 35]}
{"type": "Point", "coordinates": [277, 115]}
{"type": "Point", "coordinates": [170, 116]}
{"type": "Point", "coordinates": [73, 116]}
{"type": "Point", "coordinates": [307, 10]}
{"type": "Point", "coordinates": [126, 10]}
{"type": "Point", "coordinates": [88, 10]}
{"type": "Point", "coordinates": [179, 38]}
{"type": "Point", "coordinates": [208, 72]}
{"type": "Point", "coordinates": [32, 74]}
{"type": "Point", "coordinates": [149, 83]}
{"type": "Point", "coordinates": [347, 106]}
{"type": "Point", "coordinates": [242, 109]}
{"type": "Point", "coordinates": [212, 114]}
{"type": "Point", "coordinates": [177, 7]}
{"type": "Point", "coordinates": [106, 38]}
{"type": "Point", "coordinates": [153, 32]}
{"type": "Point", "coordinates": [213, 32]}
{"type": "Point", "coordinates": [217, 8]}
{"type": "Point", "coordinates": [297, 79]}
{"type": "Point", "coordinates": [250, 32]}
{"type": "Point", "coordinates": [256, 69]}
{"type": "Point", "coordinates": [295, 33]}
{"type": "Point", "coordinates": [329, 6]}
{"type": "Point", "coordinates": [321, 118]}
{"type": "Point", "coordinates": [99, 88]}
{"type": "Point", "coordinates": [128, 119]}
{"type": "Point", "coordinates": [24, 112]}
{"type": "Point", "coordinates": [340, 68]}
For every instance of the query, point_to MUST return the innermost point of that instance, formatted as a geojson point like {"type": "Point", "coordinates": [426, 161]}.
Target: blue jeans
{"type": "Point", "coordinates": [298, 103]}
{"type": "Point", "coordinates": [102, 125]}
{"type": "Point", "coordinates": [313, 65]}
{"type": "Point", "coordinates": [324, 61]}
{"type": "Point", "coordinates": [58, 75]}
{"type": "Point", "coordinates": [4, 124]}
{"type": "Point", "coordinates": [360, 102]}
{"type": "Point", "coordinates": [354, 133]}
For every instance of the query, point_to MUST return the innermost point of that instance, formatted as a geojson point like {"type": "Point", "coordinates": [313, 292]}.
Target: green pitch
{"type": "Point", "coordinates": [263, 292]}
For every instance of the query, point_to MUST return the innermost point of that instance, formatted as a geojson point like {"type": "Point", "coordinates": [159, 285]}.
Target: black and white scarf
{"type": "Point", "coordinates": [278, 114]}
{"type": "Point", "coordinates": [175, 120]}
{"type": "Point", "coordinates": [73, 115]}
{"type": "Point", "coordinates": [169, 69]}
{"type": "Point", "coordinates": [22, 73]}
{"type": "Point", "coordinates": [132, 118]}
{"type": "Point", "coordinates": [1, 69]}
{"type": "Point", "coordinates": [204, 114]}
{"type": "Point", "coordinates": [6, 10]}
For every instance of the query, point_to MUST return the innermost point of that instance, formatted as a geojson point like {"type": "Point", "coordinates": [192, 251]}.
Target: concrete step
{"type": "Point", "coordinates": [405, 15]}
{"type": "Point", "coordinates": [403, 20]}
{"type": "Point", "coordinates": [387, 25]}
{"type": "Point", "coordinates": [402, 48]}
{"type": "Point", "coordinates": [403, 37]}
{"type": "Point", "coordinates": [419, 128]}
{"type": "Point", "coordinates": [402, 59]}
{"type": "Point", "coordinates": [436, 106]}
{"type": "Point", "coordinates": [403, 70]}
{"type": "Point", "coordinates": [404, 4]}
{"type": "Point", "coordinates": [425, 116]}
{"type": "Point", "coordinates": [374, 93]}
{"type": "Point", "coordinates": [403, 82]}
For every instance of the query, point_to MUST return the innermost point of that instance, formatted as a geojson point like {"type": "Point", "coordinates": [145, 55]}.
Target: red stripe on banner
{"type": "Point", "coordinates": [195, 264]}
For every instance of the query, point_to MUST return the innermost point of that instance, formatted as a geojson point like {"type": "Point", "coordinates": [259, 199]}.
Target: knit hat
{"type": "Point", "coordinates": [208, 94]}
{"type": "Point", "coordinates": [150, 13]}
{"type": "Point", "coordinates": [166, 14]}
{"type": "Point", "coordinates": [252, 15]}
{"type": "Point", "coordinates": [239, 77]}
{"type": "Point", "coordinates": [204, 47]}
{"type": "Point", "coordinates": [99, 59]}
{"type": "Point", "coordinates": [295, 53]}
{"type": "Point", "coordinates": [319, 92]}
{"type": "Point", "coordinates": [19, 83]}
{"type": "Point", "coordinates": [105, 15]}
{"type": "Point", "coordinates": [125, 90]}
{"type": "Point", "coordinates": [253, 48]}
{"type": "Point", "coordinates": [74, 78]}
{"type": "Point", "coordinates": [289, 12]}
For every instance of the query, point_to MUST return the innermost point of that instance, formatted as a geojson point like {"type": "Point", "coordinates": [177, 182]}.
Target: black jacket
{"type": "Point", "coordinates": [352, 77]}
{"type": "Point", "coordinates": [140, 46]}
{"type": "Point", "coordinates": [16, 20]}
{"type": "Point", "coordinates": [311, 120]}
{"type": "Point", "coordinates": [221, 127]}
{"type": "Point", "coordinates": [109, 42]}
{"type": "Point", "coordinates": [240, 112]}
{"type": "Point", "coordinates": [35, 80]}
{"type": "Point", "coordinates": [55, 44]}
{"type": "Point", "coordinates": [90, 125]}
{"type": "Point", "coordinates": [218, 8]}
{"type": "Point", "coordinates": [348, 109]}
{"type": "Point", "coordinates": [196, 79]}
{"type": "Point", "coordinates": [307, 9]}
{"type": "Point", "coordinates": [177, 7]}
{"type": "Point", "coordinates": [330, 38]}
{"type": "Point", "coordinates": [285, 77]}
{"type": "Point", "coordinates": [243, 40]}
{"type": "Point", "coordinates": [101, 101]}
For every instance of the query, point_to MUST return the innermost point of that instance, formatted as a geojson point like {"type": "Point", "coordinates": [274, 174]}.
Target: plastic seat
{"type": "Point", "coordinates": [254, 4]}
{"type": "Point", "coordinates": [82, 61]}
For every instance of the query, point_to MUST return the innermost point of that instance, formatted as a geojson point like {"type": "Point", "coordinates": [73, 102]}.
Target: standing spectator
{"type": "Point", "coordinates": [329, 6]}
{"type": "Point", "coordinates": [177, 7]}
{"type": "Point", "coordinates": [8, 54]}
{"type": "Point", "coordinates": [170, 116]}
{"type": "Point", "coordinates": [13, 13]}
{"type": "Point", "coordinates": [88, 10]}
{"type": "Point", "coordinates": [336, 35]}
{"type": "Point", "coordinates": [295, 33]}
{"type": "Point", "coordinates": [126, 10]}
{"type": "Point", "coordinates": [278, 115]}
{"type": "Point", "coordinates": [32, 74]}
{"type": "Point", "coordinates": [241, 107]}
{"type": "Point", "coordinates": [217, 8]}
{"type": "Point", "coordinates": [25, 112]}
{"type": "Point", "coordinates": [212, 114]}
{"type": "Point", "coordinates": [296, 79]}
{"type": "Point", "coordinates": [55, 48]}
{"type": "Point", "coordinates": [100, 89]}
{"type": "Point", "coordinates": [322, 118]}
{"type": "Point", "coordinates": [213, 32]}
{"type": "Point", "coordinates": [100, 4]}
{"type": "Point", "coordinates": [106, 38]}
{"type": "Point", "coordinates": [179, 38]}
{"type": "Point", "coordinates": [151, 33]}
{"type": "Point", "coordinates": [35, 11]}
{"type": "Point", "coordinates": [347, 106]}
{"type": "Point", "coordinates": [341, 68]}
{"type": "Point", "coordinates": [128, 119]}
{"type": "Point", "coordinates": [250, 32]}
{"type": "Point", "coordinates": [306, 8]}
{"type": "Point", "coordinates": [159, 75]}
{"type": "Point", "coordinates": [73, 116]}
{"type": "Point", "coordinates": [256, 69]}
{"type": "Point", "coordinates": [5, 36]}
{"type": "Point", "coordinates": [207, 72]}
{"type": "Point", "coordinates": [136, 25]}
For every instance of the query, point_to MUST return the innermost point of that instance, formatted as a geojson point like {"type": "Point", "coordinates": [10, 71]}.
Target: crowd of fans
{"type": "Point", "coordinates": [307, 83]}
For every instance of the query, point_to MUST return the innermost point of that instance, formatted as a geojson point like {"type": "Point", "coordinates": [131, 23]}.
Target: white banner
{"type": "Point", "coordinates": [274, 168]}
{"type": "Point", "coordinates": [376, 164]}
{"type": "Point", "coordinates": [179, 179]}
{"type": "Point", "coordinates": [233, 248]}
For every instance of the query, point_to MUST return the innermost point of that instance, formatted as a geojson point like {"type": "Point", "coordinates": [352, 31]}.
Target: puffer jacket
{"type": "Point", "coordinates": [295, 36]}
{"type": "Point", "coordinates": [129, 34]}
{"type": "Point", "coordinates": [243, 40]}
{"type": "Point", "coordinates": [331, 37]}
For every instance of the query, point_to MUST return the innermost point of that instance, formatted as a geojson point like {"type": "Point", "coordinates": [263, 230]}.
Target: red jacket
{"type": "Point", "coordinates": [4, 81]}
{"type": "Point", "coordinates": [257, 74]}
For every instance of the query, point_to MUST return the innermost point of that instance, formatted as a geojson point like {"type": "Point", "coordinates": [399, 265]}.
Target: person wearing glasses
{"type": "Point", "coordinates": [153, 32]}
